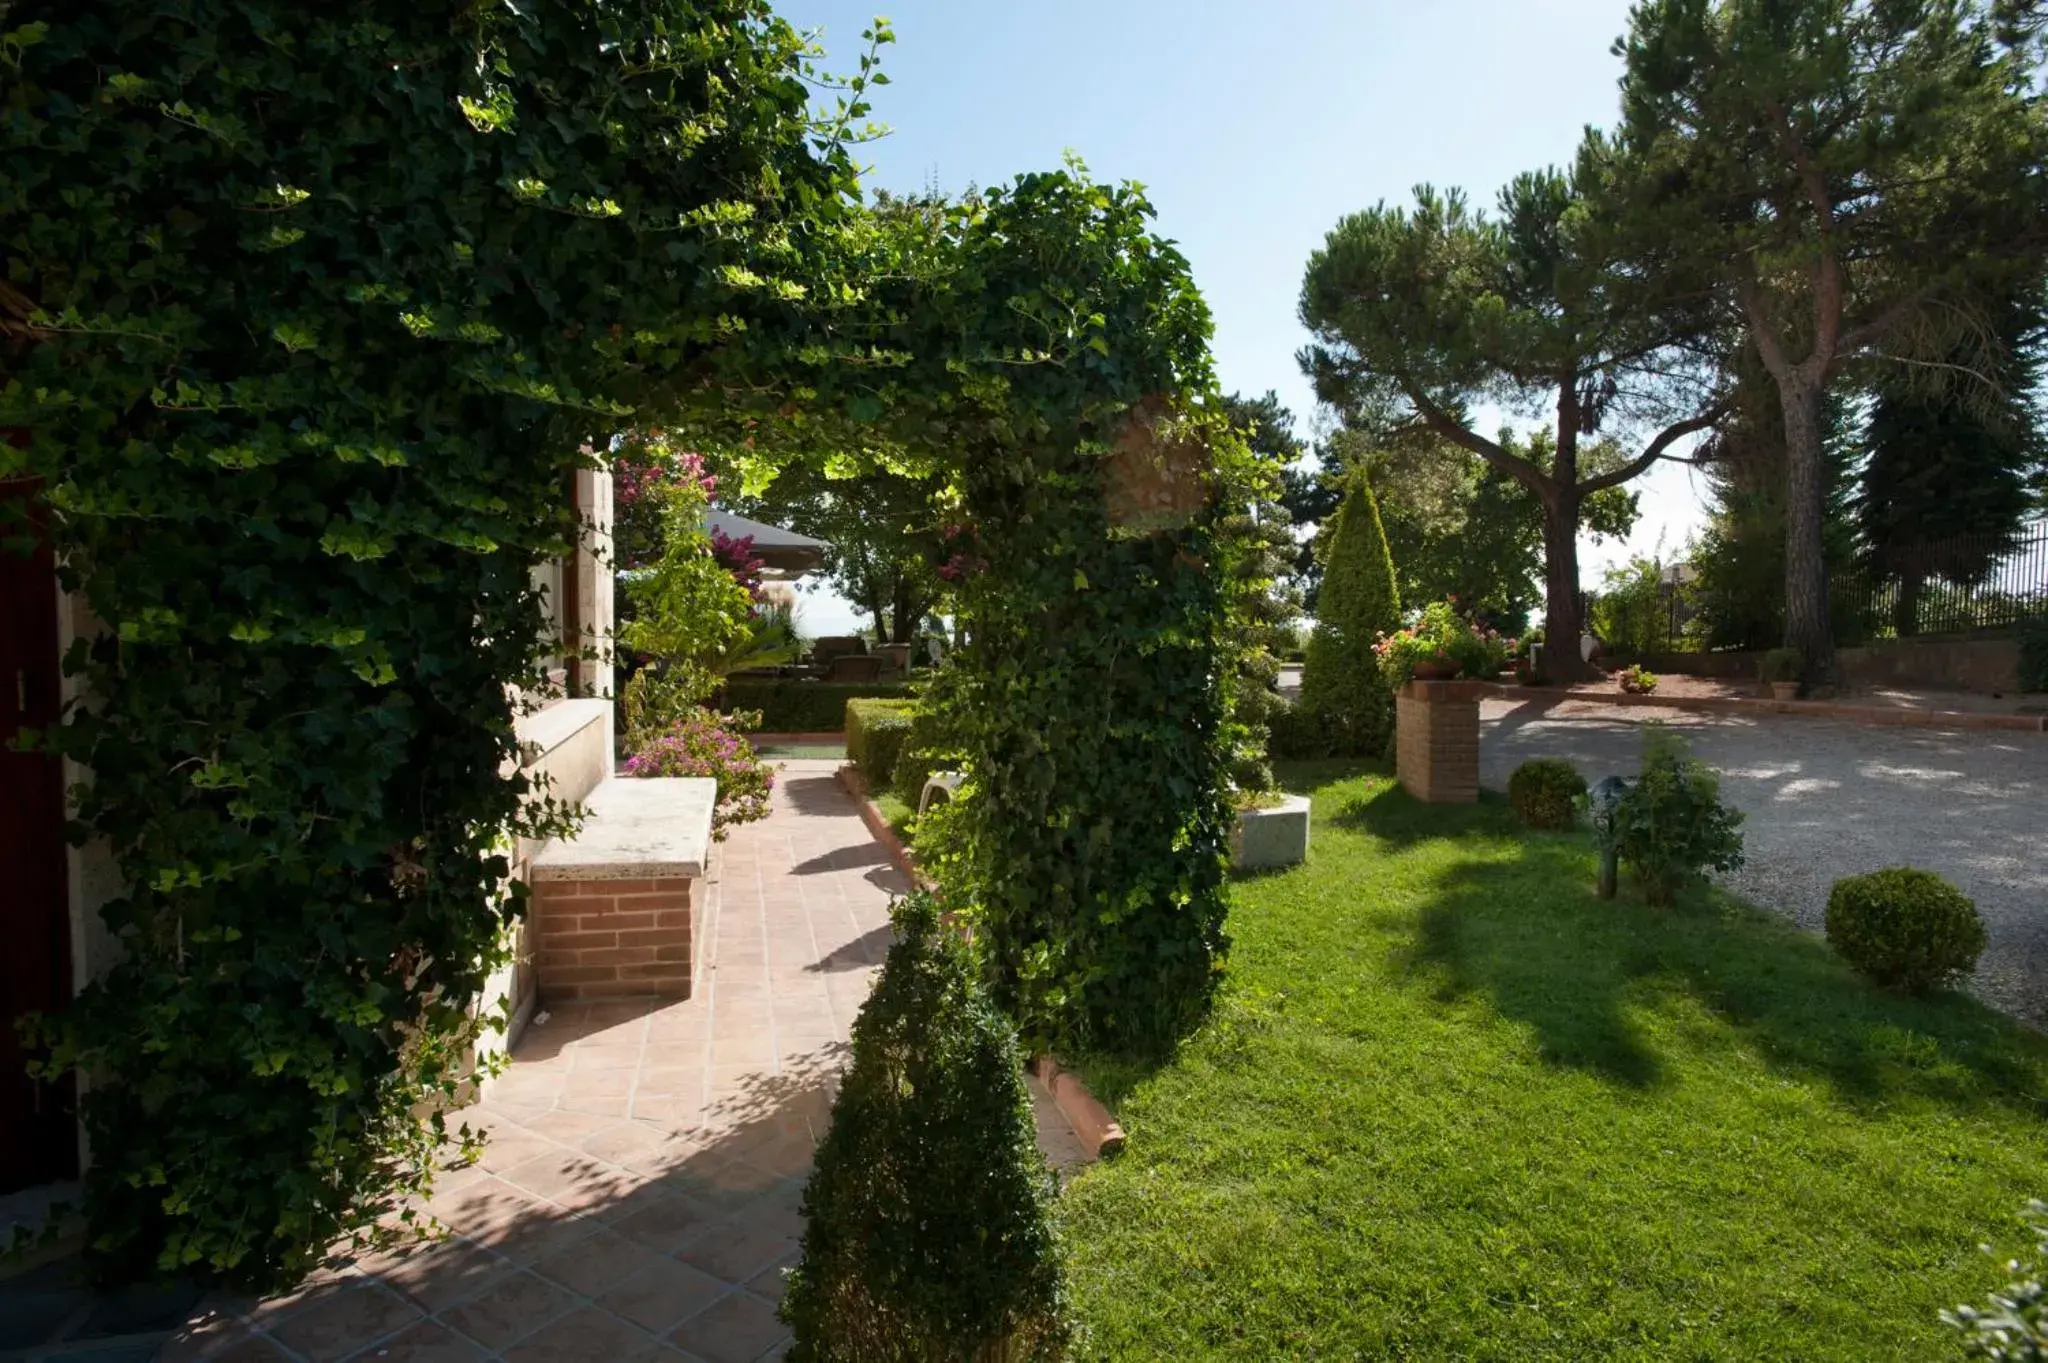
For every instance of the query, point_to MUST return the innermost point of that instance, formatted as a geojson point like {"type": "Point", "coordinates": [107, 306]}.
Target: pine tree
{"type": "Point", "coordinates": [1851, 177]}
{"type": "Point", "coordinates": [1342, 694]}
{"type": "Point", "coordinates": [1739, 561]}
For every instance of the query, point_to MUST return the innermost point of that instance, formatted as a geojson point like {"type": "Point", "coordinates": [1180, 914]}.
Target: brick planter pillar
{"type": "Point", "coordinates": [1436, 740]}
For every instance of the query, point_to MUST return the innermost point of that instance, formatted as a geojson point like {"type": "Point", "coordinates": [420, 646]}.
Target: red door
{"type": "Point", "coordinates": [38, 1137]}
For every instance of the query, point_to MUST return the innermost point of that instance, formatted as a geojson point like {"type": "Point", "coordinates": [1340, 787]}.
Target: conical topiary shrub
{"type": "Point", "coordinates": [928, 1234]}
{"type": "Point", "coordinates": [1344, 702]}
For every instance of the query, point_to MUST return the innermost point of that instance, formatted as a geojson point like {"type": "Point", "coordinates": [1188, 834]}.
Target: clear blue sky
{"type": "Point", "coordinates": [1254, 128]}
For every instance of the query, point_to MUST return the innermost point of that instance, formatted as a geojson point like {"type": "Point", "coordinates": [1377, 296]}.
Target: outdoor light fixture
{"type": "Point", "coordinates": [1605, 799]}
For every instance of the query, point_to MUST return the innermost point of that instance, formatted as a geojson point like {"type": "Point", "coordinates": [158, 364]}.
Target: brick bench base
{"type": "Point", "coordinates": [616, 908]}
{"type": "Point", "coordinates": [615, 939]}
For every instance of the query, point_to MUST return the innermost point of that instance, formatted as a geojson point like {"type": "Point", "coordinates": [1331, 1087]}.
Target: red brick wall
{"type": "Point", "coordinates": [614, 939]}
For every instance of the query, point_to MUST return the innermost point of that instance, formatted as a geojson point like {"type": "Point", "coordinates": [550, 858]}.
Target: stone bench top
{"type": "Point", "coordinates": [636, 829]}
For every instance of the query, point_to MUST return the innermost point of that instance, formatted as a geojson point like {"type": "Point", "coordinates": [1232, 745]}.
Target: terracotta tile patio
{"type": "Point", "coordinates": [639, 1196]}
{"type": "Point", "coordinates": [638, 1199]}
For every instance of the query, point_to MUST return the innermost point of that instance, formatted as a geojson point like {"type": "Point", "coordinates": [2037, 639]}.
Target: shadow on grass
{"type": "Point", "coordinates": [1397, 818]}
{"type": "Point", "coordinates": [1586, 975]}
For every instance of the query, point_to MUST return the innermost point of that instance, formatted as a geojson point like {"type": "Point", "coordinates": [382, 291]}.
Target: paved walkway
{"type": "Point", "coordinates": [639, 1195]}
{"type": "Point", "coordinates": [1827, 799]}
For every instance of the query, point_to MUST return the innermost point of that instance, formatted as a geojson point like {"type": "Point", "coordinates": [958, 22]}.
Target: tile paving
{"type": "Point", "coordinates": [638, 1198]}
{"type": "Point", "coordinates": [639, 1195]}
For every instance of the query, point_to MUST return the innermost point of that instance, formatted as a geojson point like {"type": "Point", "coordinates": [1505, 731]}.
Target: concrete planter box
{"type": "Point", "coordinates": [1266, 838]}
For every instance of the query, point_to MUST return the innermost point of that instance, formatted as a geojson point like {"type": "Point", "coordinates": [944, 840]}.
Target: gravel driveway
{"type": "Point", "coordinates": [1828, 799]}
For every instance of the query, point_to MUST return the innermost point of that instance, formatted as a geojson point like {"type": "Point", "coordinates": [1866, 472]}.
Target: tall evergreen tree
{"type": "Point", "coordinates": [1265, 603]}
{"type": "Point", "coordinates": [1341, 691]}
{"type": "Point", "coordinates": [1847, 175]}
{"type": "Point", "coordinates": [1945, 488]}
{"type": "Point", "coordinates": [1739, 560]}
{"type": "Point", "coordinates": [1429, 312]}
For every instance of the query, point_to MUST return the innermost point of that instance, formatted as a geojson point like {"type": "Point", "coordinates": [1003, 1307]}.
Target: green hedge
{"type": "Point", "coordinates": [876, 731]}
{"type": "Point", "coordinates": [1345, 707]}
{"type": "Point", "coordinates": [805, 707]}
{"type": "Point", "coordinates": [928, 750]}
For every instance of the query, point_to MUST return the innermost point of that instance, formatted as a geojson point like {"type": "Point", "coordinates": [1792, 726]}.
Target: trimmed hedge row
{"type": "Point", "coordinates": [876, 732]}
{"type": "Point", "coordinates": [927, 751]}
{"type": "Point", "coordinates": [793, 706]}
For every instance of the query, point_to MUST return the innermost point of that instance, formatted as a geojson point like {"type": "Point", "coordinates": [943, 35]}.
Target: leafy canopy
{"type": "Point", "coordinates": [1421, 314]}
{"type": "Point", "coordinates": [1849, 179]}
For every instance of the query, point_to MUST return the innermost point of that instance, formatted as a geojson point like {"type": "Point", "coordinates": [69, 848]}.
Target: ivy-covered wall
{"type": "Point", "coordinates": [309, 314]}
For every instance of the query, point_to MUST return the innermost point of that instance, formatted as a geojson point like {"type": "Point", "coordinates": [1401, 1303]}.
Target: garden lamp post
{"type": "Point", "coordinates": [1605, 798]}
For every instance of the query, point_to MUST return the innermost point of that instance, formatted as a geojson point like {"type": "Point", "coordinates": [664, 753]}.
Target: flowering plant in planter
{"type": "Point", "coordinates": [1440, 645]}
{"type": "Point", "coordinates": [705, 743]}
{"type": "Point", "coordinates": [1638, 680]}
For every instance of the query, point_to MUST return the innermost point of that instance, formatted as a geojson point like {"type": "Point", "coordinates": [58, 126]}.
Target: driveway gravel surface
{"type": "Point", "coordinates": [1827, 799]}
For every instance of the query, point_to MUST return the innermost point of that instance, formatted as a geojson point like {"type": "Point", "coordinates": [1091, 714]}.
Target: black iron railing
{"type": "Point", "coordinates": [1953, 586]}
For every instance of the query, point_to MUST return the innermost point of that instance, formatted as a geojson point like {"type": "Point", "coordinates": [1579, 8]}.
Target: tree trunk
{"type": "Point", "coordinates": [903, 612]}
{"type": "Point", "coordinates": [1906, 609]}
{"type": "Point", "coordinates": [1563, 621]}
{"type": "Point", "coordinates": [878, 619]}
{"type": "Point", "coordinates": [1807, 627]}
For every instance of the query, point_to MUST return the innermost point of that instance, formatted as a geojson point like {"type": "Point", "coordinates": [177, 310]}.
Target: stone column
{"type": "Point", "coordinates": [1436, 740]}
{"type": "Point", "coordinates": [592, 566]}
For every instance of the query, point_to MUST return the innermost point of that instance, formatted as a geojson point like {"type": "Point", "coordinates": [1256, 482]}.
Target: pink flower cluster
{"type": "Point", "coordinates": [962, 562]}
{"type": "Point", "coordinates": [641, 467]}
{"type": "Point", "coordinates": [704, 744]}
{"type": "Point", "coordinates": [737, 557]}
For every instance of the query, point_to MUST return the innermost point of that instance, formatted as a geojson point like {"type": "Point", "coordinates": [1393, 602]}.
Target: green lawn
{"type": "Point", "coordinates": [1453, 1106]}
{"type": "Point", "coordinates": [898, 814]}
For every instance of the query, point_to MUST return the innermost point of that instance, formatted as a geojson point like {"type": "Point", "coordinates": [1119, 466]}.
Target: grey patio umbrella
{"type": "Point", "coordinates": [785, 553]}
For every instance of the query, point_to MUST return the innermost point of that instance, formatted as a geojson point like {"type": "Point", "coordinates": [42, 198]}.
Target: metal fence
{"type": "Point", "coordinates": [1949, 587]}
{"type": "Point", "coordinates": [1953, 586]}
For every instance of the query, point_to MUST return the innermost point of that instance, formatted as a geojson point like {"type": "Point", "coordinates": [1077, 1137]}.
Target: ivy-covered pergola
{"type": "Point", "coordinates": [309, 321]}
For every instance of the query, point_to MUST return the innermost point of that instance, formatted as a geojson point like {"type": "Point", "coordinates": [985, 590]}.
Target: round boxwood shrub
{"type": "Point", "coordinates": [928, 1220]}
{"type": "Point", "coordinates": [1545, 791]}
{"type": "Point", "coordinates": [1905, 928]}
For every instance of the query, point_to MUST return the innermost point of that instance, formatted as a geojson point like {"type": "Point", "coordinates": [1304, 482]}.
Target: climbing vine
{"type": "Point", "coordinates": [309, 320]}
{"type": "Point", "coordinates": [307, 316]}
{"type": "Point", "coordinates": [1046, 349]}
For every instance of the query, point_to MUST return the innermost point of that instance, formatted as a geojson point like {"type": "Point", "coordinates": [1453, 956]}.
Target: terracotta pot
{"type": "Point", "coordinates": [1435, 671]}
{"type": "Point", "coordinates": [1785, 690]}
